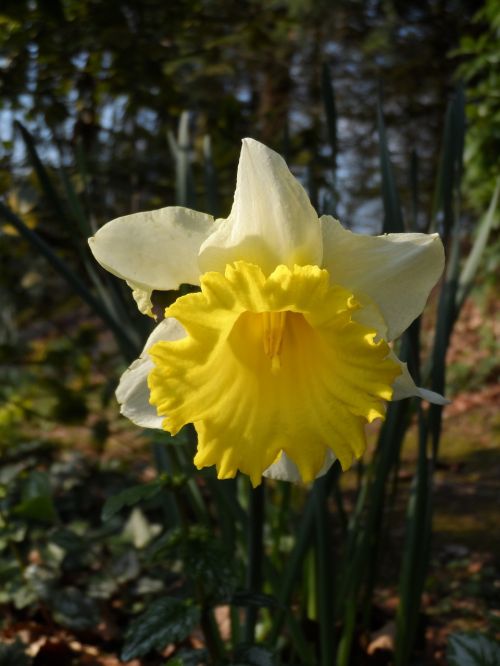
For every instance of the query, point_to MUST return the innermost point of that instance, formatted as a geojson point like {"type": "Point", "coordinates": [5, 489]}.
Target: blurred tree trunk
{"type": "Point", "coordinates": [274, 98]}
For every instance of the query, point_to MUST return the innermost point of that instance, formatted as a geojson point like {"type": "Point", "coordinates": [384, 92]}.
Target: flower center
{"type": "Point", "coordinates": [273, 327]}
{"type": "Point", "coordinates": [271, 364]}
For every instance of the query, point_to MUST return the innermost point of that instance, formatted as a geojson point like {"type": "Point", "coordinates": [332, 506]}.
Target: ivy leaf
{"type": "Point", "coordinates": [167, 620]}
{"type": "Point", "coordinates": [140, 493]}
{"type": "Point", "coordinates": [204, 559]}
{"type": "Point", "coordinates": [13, 654]}
{"type": "Point", "coordinates": [36, 502]}
{"type": "Point", "coordinates": [188, 658]}
{"type": "Point", "coordinates": [253, 655]}
{"type": "Point", "coordinates": [73, 609]}
{"type": "Point", "coordinates": [472, 650]}
{"type": "Point", "coordinates": [130, 497]}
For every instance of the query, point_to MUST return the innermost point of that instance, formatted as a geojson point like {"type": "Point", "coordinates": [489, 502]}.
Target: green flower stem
{"type": "Point", "coordinates": [171, 511]}
{"type": "Point", "coordinates": [235, 626]}
{"type": "Point", "coordinates": [361, 553]}
{"type": "Point", "coordinates": [324, 578]}
{"type": "Point", "coordinates": [291, 573]}
{"type": "Point", "coordinates": [213, 640]}
{"type": "Point", "coordinates": [416, 550]}
{"type": "Point", "coordinates": [178, 510]}
{"type": "Point", "coordinates": [280, 526]}
{"type": "Point", "coordinates": [255, 554]}
{"type": "Point", "coordinates": [292, 569]}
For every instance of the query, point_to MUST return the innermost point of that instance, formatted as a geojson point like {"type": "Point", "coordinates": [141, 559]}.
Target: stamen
{"type": "Point", "coordinates": [273, 329]}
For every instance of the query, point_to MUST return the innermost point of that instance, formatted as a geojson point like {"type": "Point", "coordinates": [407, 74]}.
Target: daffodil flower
{"type": "Point", "coordinates": [282, 357]}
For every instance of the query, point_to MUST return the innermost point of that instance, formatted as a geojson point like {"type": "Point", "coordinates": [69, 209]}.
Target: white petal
{"type": "Point", "coordinates": [142, 297]}
{"type": "Point", "coordinates": [272, 220]}
{"type": "Point", "coordinates": [397, 271]}
{"type": "Point", "coordinates": [133, 391]}
{"type": "Point", "coordinates": [286, 470]}
{"type": "Point", "coordinates": [369, 315]}
{"type": "Point", "coordinates": [405, 387]}
{"type": "Point", "coordinates": [153, 250]}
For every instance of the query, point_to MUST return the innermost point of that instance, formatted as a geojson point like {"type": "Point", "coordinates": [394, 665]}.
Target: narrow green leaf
{"type": "Point", "coordinates": [328, 95]}
{"type": "Point", "coordinates": [324, 576]}
{"type": "Point", "coordinates": [210, 177]}
{"type": "Point", "coordinates": [41, 172]}
{"type": "Point", "coordinates": [171, 510]}
{"type": "Point", "coordinates": [358, 568]}
{"type": "Point", "coordinates": [349, 626]}
{"type": "Point", "coordinates": [312, 188]}
{"type": "Point", "coordinates": [293, 567]}
{"type": "Point", "coordinates": [83, 172]}
{"type": "Point", "coordinates": [256, 522]}
{"type": "Point", "coordinates": [471, 265]}
{"type": "Point", "coordinates": [446, 317]}
{"type": "Point", "coordinates": [286, 149]}
{"type": "Point", "coordinates": [393, 217]}
{"type": "Point", "coordinates": [416, 552]}
{"type": "Point", "coordinates": [76, 208]}
{"type": "Point", "coordinates": [450, 166]}
{"type": "Point", "coordinates": [414, 191]}
{"type": "Point", "coordinates": [231, 517]}
{"type": "Point", "coordinates": [181, 458]}
{"type": "Point", "coordinates": [330, 111]}
{"type": "Point", "coordinates": [77, 219]}
{"type": "Point", "coordinates": [126, 344]}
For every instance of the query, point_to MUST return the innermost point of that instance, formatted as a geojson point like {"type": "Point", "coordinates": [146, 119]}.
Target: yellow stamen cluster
{"type": "Point", "coordinates": [273, 324]}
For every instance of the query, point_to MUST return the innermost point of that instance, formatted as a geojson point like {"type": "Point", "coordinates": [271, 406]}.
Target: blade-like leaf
{"type": "Point", "coordinates": [414, 191]}
{"type": "Point", "coordinates": [41, 172]}
{"type": "Point", "coordinates": [393, 217]}
{"type": "Point", "coordinates": [210, 178]}
{"type": "Point", "coordinates": [416, 552]}
{"type": "Point", "coordinates": [293, 567]}
{"type": "Point", "coordinates": [75, 206]}
{"type": "Point", "coordinates": [473, 260]}
{"type": "Point", "coordinates": [450, 166]}
{"type": "Point", "coordinates": [325, 567]}
{"type": "Point", "coordinates": [328, 95]}
{"type": "Point", "coordinates": [127, 346]}
{"type": "Point", "coordinates": [256, 522]}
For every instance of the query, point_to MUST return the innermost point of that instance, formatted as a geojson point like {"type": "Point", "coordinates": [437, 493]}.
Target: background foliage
{"type": "Point", "coordinates": [109, 543]}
